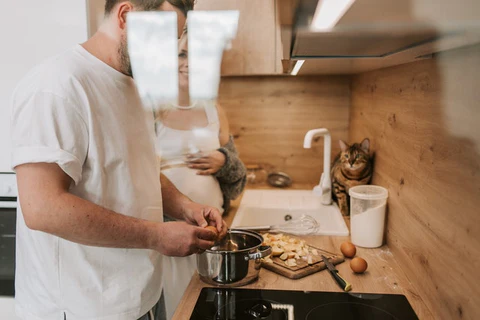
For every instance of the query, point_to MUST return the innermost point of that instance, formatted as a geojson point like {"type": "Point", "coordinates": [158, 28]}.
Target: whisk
{"type": "Point", "coordinates": [303, 225]}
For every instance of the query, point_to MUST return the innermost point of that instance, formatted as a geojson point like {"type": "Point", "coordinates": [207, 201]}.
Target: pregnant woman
{"type": "Point", "coordinates": [198, 155]}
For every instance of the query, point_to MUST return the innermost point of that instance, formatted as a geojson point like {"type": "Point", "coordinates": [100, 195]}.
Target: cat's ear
{"type": "Point", "coordinates": [343, 145]}
{"type": "Point", "coordinates": [365, 145]}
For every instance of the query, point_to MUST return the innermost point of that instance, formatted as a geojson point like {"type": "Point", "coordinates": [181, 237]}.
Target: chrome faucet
{"type": "Point", "coordinates": [324, 188]}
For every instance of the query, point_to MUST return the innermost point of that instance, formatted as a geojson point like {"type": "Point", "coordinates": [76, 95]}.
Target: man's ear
{"type": "Point", "coordinates": [121, 13]}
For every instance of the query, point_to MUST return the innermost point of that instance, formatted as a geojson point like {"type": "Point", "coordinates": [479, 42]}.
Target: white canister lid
{"type": "Point", "coordinates": [368, 192]}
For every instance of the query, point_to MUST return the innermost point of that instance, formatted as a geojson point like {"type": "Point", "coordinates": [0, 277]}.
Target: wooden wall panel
{"type": "Point", "coordinates": [423, 121]}
{"type": "Point", "coordinates": [269, 117]}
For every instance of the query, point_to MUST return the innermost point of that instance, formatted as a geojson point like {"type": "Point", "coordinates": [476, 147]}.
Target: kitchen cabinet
{"type": "Point", "coordinates": [254, 50]}
{"type": "Point", "coordinates": [374, 34]}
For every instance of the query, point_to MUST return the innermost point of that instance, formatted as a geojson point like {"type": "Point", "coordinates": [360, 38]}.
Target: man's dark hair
{"type": "Point", "coordinates": [149, 5]}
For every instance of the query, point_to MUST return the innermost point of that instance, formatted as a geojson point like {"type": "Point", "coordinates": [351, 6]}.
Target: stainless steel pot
{"type": "Point", "coordinates": [234, 261]}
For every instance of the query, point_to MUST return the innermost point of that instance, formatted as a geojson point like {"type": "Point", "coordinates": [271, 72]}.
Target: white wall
{"type": "Point", "coordinates": [31, 31]}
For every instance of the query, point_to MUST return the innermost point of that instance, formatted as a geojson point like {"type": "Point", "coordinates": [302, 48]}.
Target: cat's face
{"type": "Point", "coordinates": [356, 156]}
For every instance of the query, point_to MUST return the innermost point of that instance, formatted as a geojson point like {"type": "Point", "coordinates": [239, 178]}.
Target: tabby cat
{"type": "Point", "coordinates": [353, 166]}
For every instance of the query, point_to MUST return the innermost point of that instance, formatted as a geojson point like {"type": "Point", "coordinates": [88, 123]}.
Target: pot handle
{"type": "Point", "coordinates": [262, 253]}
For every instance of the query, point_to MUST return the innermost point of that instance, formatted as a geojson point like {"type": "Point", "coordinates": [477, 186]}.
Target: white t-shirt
{"type": "Point", "coordinates": [78, 112]}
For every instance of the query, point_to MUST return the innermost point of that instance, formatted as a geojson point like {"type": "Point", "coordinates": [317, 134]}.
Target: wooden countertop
{"type": "Point", "coordinates": [384, 275]}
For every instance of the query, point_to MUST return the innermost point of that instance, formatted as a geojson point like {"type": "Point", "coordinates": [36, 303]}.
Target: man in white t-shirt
{"type": "Point", "coordinates": [90, 231]}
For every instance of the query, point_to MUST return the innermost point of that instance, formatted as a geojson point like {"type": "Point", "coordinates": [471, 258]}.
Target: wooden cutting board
{"type": "Point", "coordinates": [302, 269]}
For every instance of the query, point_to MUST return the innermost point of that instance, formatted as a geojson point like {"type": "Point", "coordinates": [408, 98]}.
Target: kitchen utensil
{"type": "Point", "coordinates": [279, 179]}
{"type": "Point", "coordinates": [234, 261]}
{"type": "Point", "coordinates": [302, 269]}
{"type": "Point", "coordinates": [304, 225]}
{"type": "Point", "coordinates": [367, 215]}
{"type": "Point", "coordinates": [334, 272]}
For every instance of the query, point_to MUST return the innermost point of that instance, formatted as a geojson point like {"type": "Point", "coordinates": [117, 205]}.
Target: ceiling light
{"type": "Point", "coordinates": [297, 67]}
{"type": "Point", "coordinates": [328, 13]}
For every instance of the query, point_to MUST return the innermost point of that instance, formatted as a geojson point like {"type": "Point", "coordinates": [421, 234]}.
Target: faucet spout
{"type": "Point", "coordinates": [324, 188]}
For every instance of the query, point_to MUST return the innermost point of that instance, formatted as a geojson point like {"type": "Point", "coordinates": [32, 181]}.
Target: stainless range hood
{"type": "Point", "coordinates": [308, 45]}
{"type": "Point", "coordinates": [378, 28]}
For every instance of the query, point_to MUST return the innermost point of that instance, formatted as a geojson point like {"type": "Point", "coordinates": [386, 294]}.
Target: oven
{"type": "Point", "coordinates": [8, 212]}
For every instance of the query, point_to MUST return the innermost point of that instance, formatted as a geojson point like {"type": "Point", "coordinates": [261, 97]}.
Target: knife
{"type": "Point", "coordinates": [341, 282]}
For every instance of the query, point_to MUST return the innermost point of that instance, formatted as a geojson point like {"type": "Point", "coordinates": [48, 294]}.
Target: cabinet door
{"type": "Point", "coordinates": [253, 50]}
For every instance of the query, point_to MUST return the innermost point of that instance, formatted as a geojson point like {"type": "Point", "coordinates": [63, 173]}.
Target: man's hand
{"type": "Point", "coordinates": [208, 164]}
{"type": "Point", "coordinates": [202, 215]}
{"type": "Point", "coordinates": [178, 206]}
{"type": "Point", "coordinates": [181, 239]}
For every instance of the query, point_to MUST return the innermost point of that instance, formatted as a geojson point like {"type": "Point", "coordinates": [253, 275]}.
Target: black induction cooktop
{"type": "Point", "coordinates": [247, 304]}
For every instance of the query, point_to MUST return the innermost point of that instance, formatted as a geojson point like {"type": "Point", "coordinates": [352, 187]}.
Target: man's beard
{"type": "Point", "coordinates": [125, 65]}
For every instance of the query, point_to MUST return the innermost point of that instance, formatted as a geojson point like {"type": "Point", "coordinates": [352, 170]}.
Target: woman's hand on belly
{"type": "Point", "coordinates": [208, 164]}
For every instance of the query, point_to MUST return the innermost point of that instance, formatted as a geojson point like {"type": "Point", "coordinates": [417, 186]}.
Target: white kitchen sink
{"type": "Point", "coordinates": [271, 207]}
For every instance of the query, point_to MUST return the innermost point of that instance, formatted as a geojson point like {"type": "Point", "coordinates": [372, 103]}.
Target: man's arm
{"type": "Point", "coordinates": [48, 206]}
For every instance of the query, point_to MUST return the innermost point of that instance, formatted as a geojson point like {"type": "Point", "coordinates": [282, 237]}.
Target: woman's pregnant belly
{"type": "Point", "coordinates": [202, 189]}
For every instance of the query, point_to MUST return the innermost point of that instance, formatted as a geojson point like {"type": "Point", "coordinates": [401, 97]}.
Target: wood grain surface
{"type": "Point", "coordinates": [423, 123]}
{"type": "Point", "coordinates": [269, 117]}
{"type": "Point", "coordinates": [302, 269]}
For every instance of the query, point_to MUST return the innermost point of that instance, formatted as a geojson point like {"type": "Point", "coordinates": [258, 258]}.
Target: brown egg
{"type": "Point", "coordinates": [213, 229]}
{"type": "Point", "coordinates": [358, 265]}
{"type": "Point", "coordinates": [348, 249]}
